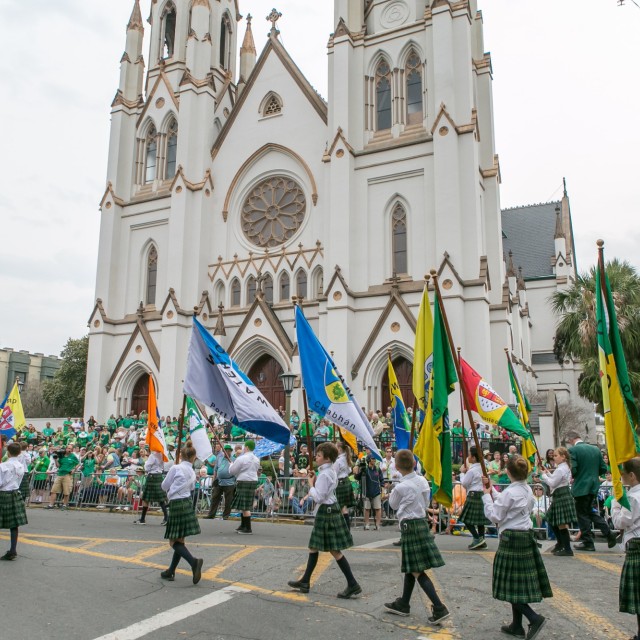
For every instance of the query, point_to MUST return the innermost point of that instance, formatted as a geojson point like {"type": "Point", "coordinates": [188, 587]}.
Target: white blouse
{"type": "Point", "coordinates": [625, 519]}
{"type": "Point", "coordinates": [561, 477]}
{"type": "Point", "coordinates": [324, 489]}
{"type": "Point", "coordinates": [472, 479]}
{"type": "Point", "coordinates": [511, 508]}
{"type": "Point", "coordinates": [410, 497]}
{"type": "Point", "coordinates": [340, 466]}
{"type": "Point", "coordinates": [245, 467]}
{"type": "Point", "coordinates": [180, 481]}
{"type": "Point", "coordinates": [11, 473]}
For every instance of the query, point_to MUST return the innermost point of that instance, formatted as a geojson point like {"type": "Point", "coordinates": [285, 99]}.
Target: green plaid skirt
{"type": "Point", "coordinates": [25, 488]}
{"type": "Point", "coordinates": [519, 575]}
{"type": "Point", "coordinates": [245, 493]}
{"type": "Point", "coordinates": [153, 491]}
{"type": "Point", "coordinates": [330, 531]}
{"type": "Point", "coordinates": [563, 508]}
{"type": "Point", "coordinates": [344, 493]}
{"type": "Point", "coordinates": [12, 511]}
{"type": "Point", "coordinates": [473, 510]}
{"type": "Point", "coordinates": [182, 520]}
{"type": "Point", "coordinates": [629, 593]}
{"type": "Point", "coordinates": [419, 550]}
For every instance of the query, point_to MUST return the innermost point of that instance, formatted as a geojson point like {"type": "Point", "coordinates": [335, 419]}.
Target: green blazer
{"type": "Point", "coordinates": [587, 465]}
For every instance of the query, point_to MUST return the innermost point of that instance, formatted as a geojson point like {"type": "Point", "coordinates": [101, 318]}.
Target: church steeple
{"type": "Point", "coordinates": [132, 62]}
{"type": "Point", "coordinates": [135, 21]}
{"type": "Point", "coordinates": [247, 53]}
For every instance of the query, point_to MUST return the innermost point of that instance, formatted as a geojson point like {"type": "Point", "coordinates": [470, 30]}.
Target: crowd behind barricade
{"type": "Point", "coordinates": [81, 463]}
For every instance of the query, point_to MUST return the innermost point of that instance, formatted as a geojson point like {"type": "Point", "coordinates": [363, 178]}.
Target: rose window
{"type": "Point", "coordinates": [273, 212]}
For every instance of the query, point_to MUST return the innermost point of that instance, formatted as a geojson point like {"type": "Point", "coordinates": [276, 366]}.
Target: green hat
{"type": "Point", "coordinates": [228, 446]}
{"type": "Point", "coordinates": [250, 444]}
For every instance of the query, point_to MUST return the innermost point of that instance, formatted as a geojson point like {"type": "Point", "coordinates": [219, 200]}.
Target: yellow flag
{"type": "Point", "coordinates": [423, 352]}
{"type": "Point", "coordinates": [15, 404]}
{"type": "Point", "coordinates": [349, 438]}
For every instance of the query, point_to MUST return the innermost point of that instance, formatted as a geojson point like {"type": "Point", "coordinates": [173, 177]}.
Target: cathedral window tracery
{"type": "Point", "coordinates": [168, 31]}
{"type": "Point", "coordinates": [152, 275]}
{"type": "Point", "coordinates": [285, 288]}
{"type": "Point", "coordinates": [383, 96]}
{"type": "Point", "coordinates": [235, 293]}
{"type": "Point", "coordinates": [301, 284]}
{"type": "Point", "coordinates": [267, 288]}
{"type": "Point", "coordinates": [273, 211]}
{"type": "Point", "coordinates": [399, 239]}
{"type": "Point", "coordinates": [151, 154]}
{"type": "Point", "coordinates": [413, 71]}
{"type": "Point", "coordinates": [225, 42]}
{"type": "Point", "coordinates": [273, 106]}
{"type": "Point", "coordinates": [251, 290]}
{"type": "Point", "coordinates": [172, 149]}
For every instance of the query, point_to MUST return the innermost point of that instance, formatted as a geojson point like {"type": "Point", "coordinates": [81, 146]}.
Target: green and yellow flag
{"type": "Point", "coordinates": [619, 406]}
{"type": "Point", "coordinates": [433, 447]}
{"type": "Point", "coordinates": [423, 352]}
{"type": "Point", "coordinates": [528, 444]}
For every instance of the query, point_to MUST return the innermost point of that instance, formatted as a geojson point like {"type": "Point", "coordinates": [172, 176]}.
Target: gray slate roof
{"type": "Point", "coordinates": [528, 231]}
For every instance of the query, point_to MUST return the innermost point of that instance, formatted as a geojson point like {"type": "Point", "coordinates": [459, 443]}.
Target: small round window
{"type": "Point", "coordinates": [273, 211]}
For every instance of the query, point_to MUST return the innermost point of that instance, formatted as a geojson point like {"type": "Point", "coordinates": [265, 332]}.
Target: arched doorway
{"type": "Point", "coordinates": [140, 395]}
{"type": "Point", "coordinates": [265, 374]}
{"type": "Point", "coordinates": [404, 373]}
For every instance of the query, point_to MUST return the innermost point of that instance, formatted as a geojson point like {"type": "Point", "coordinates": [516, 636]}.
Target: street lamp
{"type": "Point", "coordinates": [20, 383]}
{"type": "Point", "coordinates": [288, 381]}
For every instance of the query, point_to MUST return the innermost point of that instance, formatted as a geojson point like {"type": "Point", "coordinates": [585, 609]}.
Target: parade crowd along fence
{"type": "Point", "coordinates": [284, 499]}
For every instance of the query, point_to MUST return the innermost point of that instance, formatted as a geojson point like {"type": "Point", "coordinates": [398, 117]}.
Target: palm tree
{"type": "Point", "coordinates": [576, 331]}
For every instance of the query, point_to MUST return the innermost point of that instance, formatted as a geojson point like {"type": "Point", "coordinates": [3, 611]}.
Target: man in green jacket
{"type": "Point", "coordinates": [587, 465]}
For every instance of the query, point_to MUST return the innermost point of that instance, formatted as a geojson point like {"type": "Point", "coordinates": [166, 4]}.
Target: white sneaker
{"type": "Point", "coordinates": [366, 527]}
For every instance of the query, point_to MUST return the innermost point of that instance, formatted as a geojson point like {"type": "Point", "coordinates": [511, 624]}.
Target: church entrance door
{"type": "Point", "coordinates": [264, 374]}
{"type": "Point", "coordinates": [140, 395]}
{"type": "Point", "coordinates": [404, 373]}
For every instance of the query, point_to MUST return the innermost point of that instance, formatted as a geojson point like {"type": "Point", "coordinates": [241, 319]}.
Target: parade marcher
{"type": "Point", "coordinates": [563, 509]}
{"type": "Point", "coordinates": [410, 500]}
{"type": "Point", "coordinates": [224, 484]}
{"type": "Point", "coordinates": [330, 532]}
{"type": "Point", "coordinates": [25, 460]}
{"type": "Point", "coordinates": [245, 468]}
{"type": "Point", "coordinates": [587, 465]}
{"type": "Point", "coordinates": [519, 574]}
{"type": "Point", "coordinates": [344, 490]}
{"type": "Point", "coordinates": [629, 520]}
{"type": "Point", "coordinates": [12, 510]}
{"type": "Point", "coordinates": [153, 492]}
{"type": "Point", "coordinates": [472, 514]}
{"type": "Point", "coordinates": [179, 483]}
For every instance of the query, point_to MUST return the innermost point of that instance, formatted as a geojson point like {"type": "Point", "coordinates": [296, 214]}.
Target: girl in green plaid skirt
{"type": "Point", "coordinates": [472, 514]}
{"type": "Point", "coordinates": [563, 507]}
{"type": "Point", "coordinates": [330, 532]}
{"type": "Point", "coordinates": [629, 520]}
{"type": "Point", "coordinates": [419, 551]}
{"type": "Point", "coordinates": [344, 490]}
{"type": "Point", "coordinates": [519, 575]}
{"type": "Point", "coordinates": [12, 511]}
{"type": "Point", "coordinates": [179, 484]}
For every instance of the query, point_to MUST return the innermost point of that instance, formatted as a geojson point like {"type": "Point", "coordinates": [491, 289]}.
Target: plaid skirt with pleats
{"type": "Point", "coordinates": [419, 550]}
{"type": "Point", "coordinates": [153, 491]}
{"type": "Point", "coordinates": [519, 574]}
{"type": "Point", "coordinates": [12, 511]}
{"type": "Point", "coordinates": [563, 508]}
{"type": "Point", "coordinates": [344, 493]}
{"type": "Point", "coordinates": [25, 486]}
{"type": "Point", "coordinates": [182, 520]}
{"type": "Point", "coordinates": [629, 593]}
{"type": "Point", "coordinates": [473, 510]}
{"type": "Point", "coordinates": [245, 493]}
{"type": "Point", "coordinates": [330, 531]}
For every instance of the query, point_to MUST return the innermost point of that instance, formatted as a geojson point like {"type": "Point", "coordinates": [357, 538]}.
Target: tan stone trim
{"type": "Point", "coordinates": [171, 296]}
{"type": "Point", "coordinates": [254, 156]}
{"type": "Point", "coordinates": [192, 186]}
{"type": "Point", "coordinates": [162, 77]}
{"type": "Point", "coordinates": [326, 157]}
{"type": "Point", "coordinates": [119, 100]}
{"type": "Point", "coordinates": [109, 193]}
{"type": "Point", "coordinates": [494, 171]}
{"type": "Point", "coordinates": [471, 127]}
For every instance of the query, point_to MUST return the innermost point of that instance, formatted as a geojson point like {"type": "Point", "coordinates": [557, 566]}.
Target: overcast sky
{"type": "Point", "coordinates": [566, 103]}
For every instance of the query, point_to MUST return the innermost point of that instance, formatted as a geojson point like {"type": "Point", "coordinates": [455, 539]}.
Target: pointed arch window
{"type": "Point", "coordinates": [168, 31]}
{"type": "Point", "coordinates": [301, 284]}
{"type": "Point", "coordinates": [399, 239]}
{"type": "Point", "coordinates": [285, 288]}
{"type": "Point", "coordinates": [151, 155]}
{"type": "Point", "coordinates": [235, 293]}
{"type": "Point", "coordinates": [413, 73]}
{"type": "Point", "coordinates": [152, 275]}
{"type": "Point", "coordinates": [273, 106]}
{"type": "Point", "coordinates": [318, 283]}
{"type": "Point", "coordinates": [251, 290]}
{"type": "Point", "coordinates": [225, 42]}
{"type": "Point", "coordinates": [172, 149]}
{"type": "Point", "coordinates": [267, 288]}
{"type": "Point", "coordinates": [383, 96]}
{"type": "Point", "coordinates": [218, 298]}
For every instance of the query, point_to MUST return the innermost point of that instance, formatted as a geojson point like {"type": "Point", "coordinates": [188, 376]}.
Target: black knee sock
{"type": "Point", "coordinates": [565, 539]}
{"type": "Point", "coordinates": [407, 590]}
{"type": "Point", "coordinates": [143, 515]}
{"type": "Point", "coordinates": [556, 533]}
{"type": "Point", "coordinates": [343, 563]}
{"type": "Point", "coordinates": [312, 561]}
{"type": "Point", "coordinates": [174, 562]}
{"type": "Point", "coordinates": [473, 531]}
{"type": "Point", "coordinates": [247, 523]}
{"type": "Point", "coordinates": [517, 616]}
{"type": "Point", "coordinates": [183, 552]}
{"type": "Point", "coordinates": [347, 519]}
{"type": "Point", "coordinates": [163, 506]}
{"type": "Point", "coordinates": [427, 586]}
{"type": "Point", "coordinates": [526, 611]}
{"type": "Point", "coordinates": [14, 539]}
{"type": "Point", "coordinates": [481, 531]}
{"type": "Point", "coordinates": [638, 619]}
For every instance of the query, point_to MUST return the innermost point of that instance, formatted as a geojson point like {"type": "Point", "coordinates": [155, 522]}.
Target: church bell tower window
{"type": "Point", "coordinates": [285, 289]}
{"type": "Point", "coordinates": [152, 275]}
{"type": "Point", "coordinates": [225, 41]}
{"type": "Point", "coordinates": [414, 89]}
{"type": "Point", "coordinates": [172, 149]}
{"type": "Point", "coordinates": [383, 96]}
{"type": "Point", "coordinates": [399, 239]}
{"type": "Point", "coordinates": [168, 31]}
{"type": "Point", "coordinates": [151, 155]}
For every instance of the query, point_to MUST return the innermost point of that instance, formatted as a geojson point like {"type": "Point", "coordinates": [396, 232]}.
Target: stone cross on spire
{"type": "Point", "coordinates": [273, 17]}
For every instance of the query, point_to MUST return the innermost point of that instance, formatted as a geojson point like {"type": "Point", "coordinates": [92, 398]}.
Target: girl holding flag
{"type": "Point", "coordinates": [344, 490]}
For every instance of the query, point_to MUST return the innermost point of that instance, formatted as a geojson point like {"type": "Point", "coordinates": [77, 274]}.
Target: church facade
{"type": "Point", "coordinates": [233, 186]}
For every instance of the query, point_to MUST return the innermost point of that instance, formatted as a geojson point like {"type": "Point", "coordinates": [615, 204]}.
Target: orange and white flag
{"type": "Point", "coordinates": [155, 435]}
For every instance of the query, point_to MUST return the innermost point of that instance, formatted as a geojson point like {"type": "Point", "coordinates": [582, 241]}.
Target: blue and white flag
{"type": "Point", "coordinates": [214, 379]}
{"type": "Point", "coordinates": [265, 448]}
{"type": "Point", "coordinates": [327, 391]}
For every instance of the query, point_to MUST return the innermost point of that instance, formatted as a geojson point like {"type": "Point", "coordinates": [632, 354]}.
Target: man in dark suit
{"type": "Point", "coordinates": [587, 465]}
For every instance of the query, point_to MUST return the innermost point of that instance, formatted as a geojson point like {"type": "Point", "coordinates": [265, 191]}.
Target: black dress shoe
{"type": "Point", "coordinates": [353, 590]}
{"type": "Point", "coordinates": [612, 540]}
{"type": "Point", "coordinates": [197, 570]}
{"type": "Point", "coordinates": [584, 546]}
{"type": "Point", "coordinates": [9, 556]}
{"type": "Point", "coordinates": [397, 543]}
{"type": "Point", "coordinates": [510, 630]}
{"type": "Point", "coordinates": [302, 587]}
{"type": "Point", "coordinates": [534, 627]}
{"type": "Point", "coordinates": [167, 575]}
{"type": "Point", "coordinates": [564, 552]}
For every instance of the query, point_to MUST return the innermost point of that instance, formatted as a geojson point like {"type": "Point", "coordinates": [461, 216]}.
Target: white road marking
{"type": "Point", "coordinates": [378, 543]}
{"type": "Point", "coordinates": [167, 618]}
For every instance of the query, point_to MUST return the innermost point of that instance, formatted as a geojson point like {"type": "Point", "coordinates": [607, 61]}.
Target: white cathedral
{"type": "Point", "coordinates": [233, 186]}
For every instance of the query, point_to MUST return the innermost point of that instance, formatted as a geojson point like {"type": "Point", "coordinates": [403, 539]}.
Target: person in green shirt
{"type": "Point", "coordinates": [48, 431]}
{"type": "Point", "coordinates": [126, 422]}
{"type": "Point", "coordinates": [66, 425]}
{"type": "Point", "coordinates": [40, 478]}
{"type": "Point", "coordinates": [112, 425]}
{"type": "Point", "coordinates": [65, 480]}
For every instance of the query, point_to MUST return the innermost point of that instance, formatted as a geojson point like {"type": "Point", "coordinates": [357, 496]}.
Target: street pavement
{"type": "Point", "coordinates": [89, 576]}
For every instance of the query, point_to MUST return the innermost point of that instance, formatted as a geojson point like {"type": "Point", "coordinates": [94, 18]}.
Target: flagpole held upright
{"type": "Point", "coordinates": [306, 419]}
{"type": "Point", "coordinates": [465, 454]}
{"type": "Point", "coordinates": [434, 276]}
{"type": "Point", "coordinates": [180, 426]}
{"type": "Point", "coordinates": [414, 411]}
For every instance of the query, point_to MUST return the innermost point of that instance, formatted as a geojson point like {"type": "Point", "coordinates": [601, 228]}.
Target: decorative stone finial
{"type": "Point", "coordinates": [273, 17]}
{"type": "Point", "coordinates": [511, 270]}
{"type": "Point", "coordinates": [559, 232]}
{"type": "Point", "coordinates": [135, 21]}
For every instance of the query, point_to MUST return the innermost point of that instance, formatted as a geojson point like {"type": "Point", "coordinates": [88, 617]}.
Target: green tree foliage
{"type": "Point", "coordinates": [576, 331]}
{"type": "Point", "coordinates": [66, 390]}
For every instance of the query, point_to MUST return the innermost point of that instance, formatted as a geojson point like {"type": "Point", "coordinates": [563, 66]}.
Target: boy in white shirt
{"type": "Point", "coordinates": [12, 511]}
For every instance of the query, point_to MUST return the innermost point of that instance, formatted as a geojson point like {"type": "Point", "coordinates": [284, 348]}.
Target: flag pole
{"type": "Point", "coordinates": [434, 277]}
{"type": "Point", "coordinates": [215, 435]}
{"type": "Point", "coordinates": [464, 431]}
{"type": "Point", "coordinates": [180, 424]}
{"type": "Point", "coordinates": [517, 384]}
{"type": "Point", "coordinates": [306, 420]}
{"type": "Point", "coordinates": [414, 411]}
